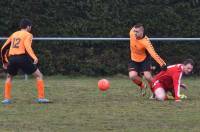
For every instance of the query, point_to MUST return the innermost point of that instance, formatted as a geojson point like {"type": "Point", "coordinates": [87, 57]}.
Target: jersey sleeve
{"type": "Point", "coordinates": [27, 45]}
{"type": "Point", "coordinates": [4, 50]}
{"type": "Point", "coordinates": [147, 44]}
{"type": "Point", "coordinates": [176, 83]}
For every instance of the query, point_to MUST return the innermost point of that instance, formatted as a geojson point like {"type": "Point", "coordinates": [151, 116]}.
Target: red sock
{"type": "Point", "coordinates": [40, 88]}
{"type": "Point", "coordinates": [138, 81]}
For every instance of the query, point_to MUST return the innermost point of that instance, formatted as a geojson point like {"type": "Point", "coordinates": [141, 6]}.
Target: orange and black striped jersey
{"type": "Point", "coordinates": [18, 43]}
{"type": "Point", "coordinates": [139, 47]}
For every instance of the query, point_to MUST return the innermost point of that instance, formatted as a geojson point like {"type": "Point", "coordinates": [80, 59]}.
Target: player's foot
{"type": "Point", "coordinates": [6, 101]}
{"type": "Point", "coordinates": [153, 96]}
{"type": "Point", "coordinates": [143, 90]}
{"type": "Point", "coordinates": [169, 97]}
{"type": "Point", "coordinates": [43, 100]}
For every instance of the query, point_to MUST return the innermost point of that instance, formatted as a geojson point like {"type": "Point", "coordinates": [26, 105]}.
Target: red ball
{"type": "Point", "coordinates": [103, 84]}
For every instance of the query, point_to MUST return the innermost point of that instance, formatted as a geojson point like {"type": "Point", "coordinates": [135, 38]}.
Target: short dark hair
{"type": "Point", "coordinates": [188, 61]}
{"type": "Point", "coordinates": [138, 25]}
{"type": "Point", "coordinates": [24, 23]}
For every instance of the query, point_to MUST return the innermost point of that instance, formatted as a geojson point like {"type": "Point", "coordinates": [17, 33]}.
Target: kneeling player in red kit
{"type": "Point", "coordinates": [170, 80]}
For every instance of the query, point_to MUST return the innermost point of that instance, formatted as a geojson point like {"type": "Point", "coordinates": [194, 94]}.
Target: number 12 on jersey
{"type": "Point", "coordinates": [15, 43]}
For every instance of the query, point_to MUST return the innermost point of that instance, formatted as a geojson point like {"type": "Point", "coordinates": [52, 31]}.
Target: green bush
{"type": "Point", "coordinates": [95, 18]}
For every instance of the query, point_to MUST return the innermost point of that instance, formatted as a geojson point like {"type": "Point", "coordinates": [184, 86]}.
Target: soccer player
{"type": "Point", "coordinates": [141, 50]}
{"type": "Point", "coordinates": [170, 80]}
{"type": "Point", "coordinates": [17, 53]}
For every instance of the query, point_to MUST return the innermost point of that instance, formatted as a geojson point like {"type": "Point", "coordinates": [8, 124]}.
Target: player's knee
{"type": "Point", "coordinates": [160, 97]}
{"type": "Point", "coordinates": [132, 75]}
{"type": "Point", "coordinates": [160, 94]}
{"type": "Point", "coordinates": [9, 77]}
{"type": "Point", "coordinates": [38, 74]}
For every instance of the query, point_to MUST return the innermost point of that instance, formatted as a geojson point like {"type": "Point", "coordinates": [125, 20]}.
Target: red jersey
{"type": "Point", "coordinates": [170, 79]}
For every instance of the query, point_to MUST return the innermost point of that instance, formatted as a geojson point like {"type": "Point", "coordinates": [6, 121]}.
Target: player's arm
{"type": "Point", "coordinates": [29, 50]}
{"type": "Point", "coordinates": [4, 50]}
{"type": "Point", "coordinates": [132, 37]}
{"type": "Point", "coordinates": [176, 82]}
{"type": "Point", "coordinates": [132, 33]}
{"type": "Point", "coordinates": [153, 53]}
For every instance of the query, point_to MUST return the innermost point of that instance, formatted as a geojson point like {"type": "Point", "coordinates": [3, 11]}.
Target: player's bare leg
{"type": "Point", "coordinates": [149, 79]}
{"type": "Point", "coordinates": [133, 75]}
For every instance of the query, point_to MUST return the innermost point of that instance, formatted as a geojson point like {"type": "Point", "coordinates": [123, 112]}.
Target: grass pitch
{"type": "Point", "coordinates": [80, 107]}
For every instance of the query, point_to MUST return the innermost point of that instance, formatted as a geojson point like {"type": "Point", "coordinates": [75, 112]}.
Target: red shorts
{"type": "Point", "coordinates": [157, 84]}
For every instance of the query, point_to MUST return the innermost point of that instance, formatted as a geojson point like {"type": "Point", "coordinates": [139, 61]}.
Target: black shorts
{"type": "Point", "coordinates": [140, 67]}
{"type": "Point", "coordinates": [22, 62]}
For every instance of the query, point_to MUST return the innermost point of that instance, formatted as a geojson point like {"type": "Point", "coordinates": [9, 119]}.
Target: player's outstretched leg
{"type": "Point", "coordinates": [133, 75]}
{"type": "Point", "coordinates": [148, 77]}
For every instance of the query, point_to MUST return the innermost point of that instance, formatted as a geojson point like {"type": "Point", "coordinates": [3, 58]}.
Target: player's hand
{"type": "Point", "coordinates": [163, 67]}
{"type": "Point", "coordinates": [183, 96]}
{"type": "Point", "coordinates": [35, 61]}
{"type": "Point", "coordinates": [5, 66]}
{"type": "Point", "coordinates": [133, 30]}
